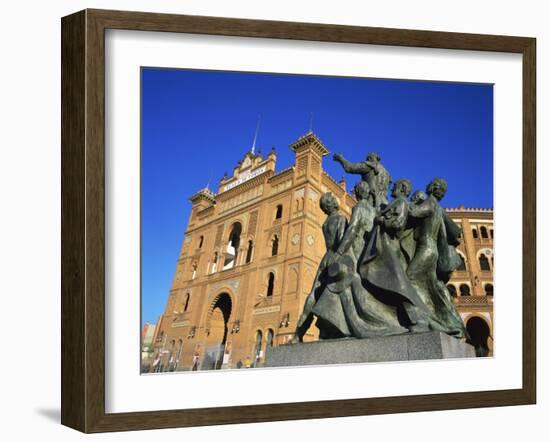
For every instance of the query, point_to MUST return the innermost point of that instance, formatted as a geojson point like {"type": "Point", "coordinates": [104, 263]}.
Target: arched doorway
{"type": "Point", "coordinates": [479, 333]}
{"type": "Point", "coordinates": [217, 325]}
{"type": "Point", "coordinates": [257, 348]}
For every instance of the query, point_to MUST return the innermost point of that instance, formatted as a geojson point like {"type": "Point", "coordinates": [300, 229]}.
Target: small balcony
{"type": "Point", "coordinates": [473, 300]}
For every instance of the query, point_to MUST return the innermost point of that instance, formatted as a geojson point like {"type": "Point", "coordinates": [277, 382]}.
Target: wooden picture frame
{"type": "Point", "coordinates": [83, 220]}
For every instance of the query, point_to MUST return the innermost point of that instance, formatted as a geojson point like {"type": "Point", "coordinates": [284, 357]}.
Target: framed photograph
{"type": "Point", "coordinates": [267, 221]}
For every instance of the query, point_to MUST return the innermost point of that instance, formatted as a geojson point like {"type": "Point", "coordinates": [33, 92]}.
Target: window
{"type": "Point", "coordinates": [269, 339]}
{"type": "Point", "coordinates": [491, 234]}
{"type": "Point", "coordinates": [201, 240]}
{"type": "Point", "coordinates": [279, 212]}
{"type": "Point", "coordinates": [484, 263]}
{"type": "Point", "coordinates": [215, 262]}
{"type": "Point", "coordinates": [194, 270]}
{"type": "Point", "coordinates": [483, 231]}
{"type": "Point", "coordinates": [233, 247]}
{"type": "Point", "coordinates": [488, 289]}
{"type": "Point", "coordinates": [274, 245]}
{"type": "Point", "coordinates": [270, 284]}
{"type": "Point", "coordinates": [452, 290]}
{"type": "Point", "coordinates": [249, 251]}
{"type": "Point", "coordinates": [464, 290]}
{"type": "Point", "coordinates": [178, 354]}
{"type": "Point", "coordinates": [186, 304]}
{"type": "Point", "coordinates": [171, 359]}
{"type": "Point", "coordinates": [474, 233]}
{"type": "Point", "coordinates": [462, 266]}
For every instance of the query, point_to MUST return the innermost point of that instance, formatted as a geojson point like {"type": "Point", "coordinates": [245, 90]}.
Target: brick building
{"type": "Point", "coordinates": [250, 255]}
{"type": "Point", "coordinates": [472, 284]}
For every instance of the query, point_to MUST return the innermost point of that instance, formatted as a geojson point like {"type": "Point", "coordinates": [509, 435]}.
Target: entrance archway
{"type": "Point", "coordinates": [479, 333]}
{"type": "Point", "coordinates": [217, 326]}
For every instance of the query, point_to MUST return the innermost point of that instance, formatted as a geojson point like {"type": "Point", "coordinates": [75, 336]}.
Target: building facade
{"type": "Point", "coordinates": [472, 284]}
{"type": "Point", "coordinates": [249, 258]}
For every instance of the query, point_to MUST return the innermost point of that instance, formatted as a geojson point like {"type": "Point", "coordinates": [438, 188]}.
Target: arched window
{"type": "Point", "coordinates": [488, 289]}
{"type": "Point", "coordinates": [171, 359]}
{"type": "Point", "coordinates": [194, 270]}
{"type": "Point", "coordinates": [452, 290]}
{"type": "Point", "coordinates": [186, 304]}
{"type": "Point", "coordinates": [464, 290]}
{"type": "Point", "coordinates": [474, 233]}
{"type": "Point", "coordinates": [274, 245]}
{"type": "Point", "coordinates": [215, 262]}
{"type": "Point", "coordinates": [484, 263]}
{"type": "Point", "coordinates": [178, 354]}
{"type": "Point", "coordinates": [462, 266]}
{"type": "Point", "coordinates": [279, 212]}
{"type": "Point", "coordinates": [249, 251]}
{"type": "Point", "coordinates": [483, 231]}
{"type": "Point", "coordinates": [270, 284]}
{"type": "Point", "coordinates": [233, 246]}
{"type": "Point", "coordinates": [269, 339]}
{"type": "Point", "coordinates": [201, 240]}
{"type": "Point", "coordinates": [491, 233]}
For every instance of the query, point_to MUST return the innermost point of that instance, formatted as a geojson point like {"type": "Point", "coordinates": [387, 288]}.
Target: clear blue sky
{"type": "Point", "coordinates": [198, 124]}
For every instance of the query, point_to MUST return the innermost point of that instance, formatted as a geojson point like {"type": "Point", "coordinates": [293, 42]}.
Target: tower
{"type": "Point", "coordinates": [248, 260]}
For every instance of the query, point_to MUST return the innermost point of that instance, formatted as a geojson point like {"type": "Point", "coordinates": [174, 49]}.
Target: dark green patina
{"type": "Point", "coordinates": [384, 272]}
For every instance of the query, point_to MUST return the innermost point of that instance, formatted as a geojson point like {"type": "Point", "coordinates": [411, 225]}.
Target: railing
{"type": "Point", "coordinates": [473, 300]}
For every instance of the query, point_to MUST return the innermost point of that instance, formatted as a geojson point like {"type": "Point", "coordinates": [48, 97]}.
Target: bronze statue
{"type": "Point", "coordinates": [374, 173]}
{"type": "Point", "coordinates": [435, 258]}
{"type": "Point", "coordinates": [333, 231]}
{"type": "Point", "coordinates": [384, 265]}
{"type": "Point", "coordinates": [346, 308]}
{"type": "Point", "coordinates": [386, 271]}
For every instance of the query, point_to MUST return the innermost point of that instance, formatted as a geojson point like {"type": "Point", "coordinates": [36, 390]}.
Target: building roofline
{"type": "Point", "coordinates": [310, 138]}
{"type": "Point", "coordinates": [470, 209]}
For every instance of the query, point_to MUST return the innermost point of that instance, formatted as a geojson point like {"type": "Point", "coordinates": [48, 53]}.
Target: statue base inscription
{"type": "Point", "coordinates": [405, 347]}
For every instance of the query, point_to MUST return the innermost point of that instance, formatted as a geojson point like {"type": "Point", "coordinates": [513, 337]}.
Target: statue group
{"type": "Point", "coordinates": [385, 271]}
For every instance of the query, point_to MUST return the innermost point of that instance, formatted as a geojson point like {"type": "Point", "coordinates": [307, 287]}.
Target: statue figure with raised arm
{"type": "Point", "coordinates": [373, 173]}
{"type": "Point", "coordinates": [346, 308]}
{"type": "Point", "coordinates": [385, 272]}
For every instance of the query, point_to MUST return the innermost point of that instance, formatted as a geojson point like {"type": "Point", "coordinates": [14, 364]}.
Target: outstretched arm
{"type": "Point", "coordinates": [350, 167]}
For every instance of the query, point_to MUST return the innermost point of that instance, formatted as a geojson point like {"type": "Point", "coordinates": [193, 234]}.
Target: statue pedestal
{"type": "Point", "coordinates": [406, 347]}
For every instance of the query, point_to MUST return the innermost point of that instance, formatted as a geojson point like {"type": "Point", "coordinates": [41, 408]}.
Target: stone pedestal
{"type": "Point", "coordinates": [406, 347]}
